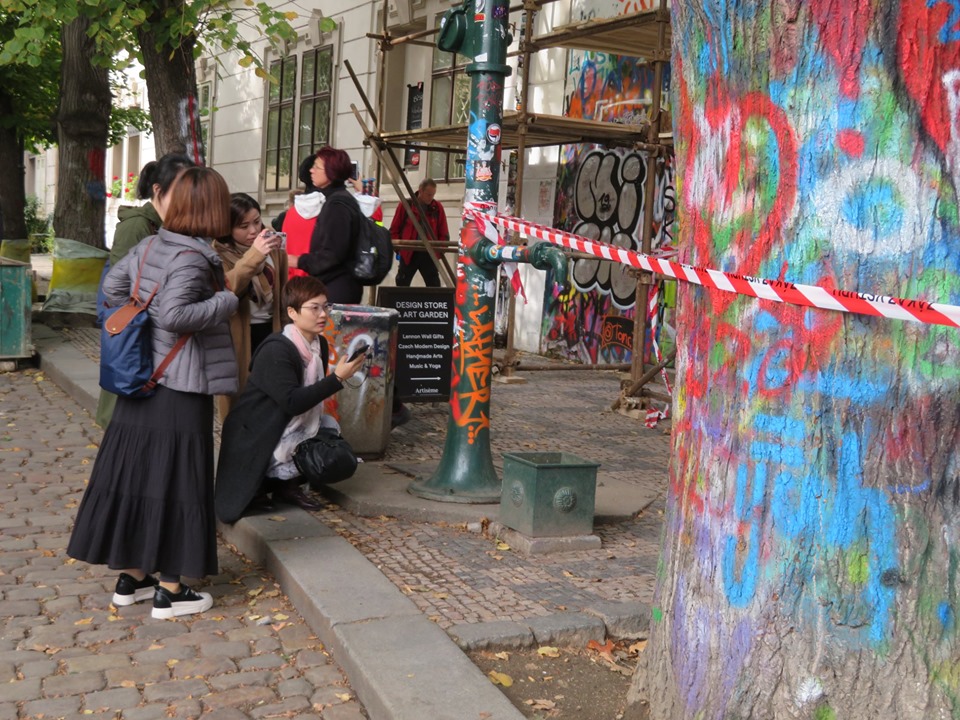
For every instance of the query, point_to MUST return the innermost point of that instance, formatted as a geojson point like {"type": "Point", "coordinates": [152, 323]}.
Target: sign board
{"type": "Point", "coordinates": [411, 156]}
{"type": "Point", "coordinates": [424, 341]}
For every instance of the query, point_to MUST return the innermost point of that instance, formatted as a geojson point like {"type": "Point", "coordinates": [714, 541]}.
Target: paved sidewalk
{"type": "Point", "coordinates": [418, 567]}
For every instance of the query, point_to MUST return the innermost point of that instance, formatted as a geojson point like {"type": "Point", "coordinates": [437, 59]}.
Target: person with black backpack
{"type": "Point", "coordinates": [334, 235]}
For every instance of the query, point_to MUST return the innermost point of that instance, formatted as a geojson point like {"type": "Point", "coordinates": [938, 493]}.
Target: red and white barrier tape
{"type": "Point", "coordinates": [777, 290]}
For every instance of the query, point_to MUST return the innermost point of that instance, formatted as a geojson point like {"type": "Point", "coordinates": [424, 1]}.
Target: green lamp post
{"type": "Point", "coordinates": [478, 29]}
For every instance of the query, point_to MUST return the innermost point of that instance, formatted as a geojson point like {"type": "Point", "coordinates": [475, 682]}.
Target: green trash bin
{"type": "Point", "coordinates": [548, 494]}
{"type": "Point", "coordinates": [15, 307]}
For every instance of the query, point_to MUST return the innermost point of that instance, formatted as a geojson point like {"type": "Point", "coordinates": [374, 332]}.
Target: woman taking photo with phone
{"type": "Point", "coordinates": [256, 268]}
{"type": "Point", "coordinates": [281, 407]}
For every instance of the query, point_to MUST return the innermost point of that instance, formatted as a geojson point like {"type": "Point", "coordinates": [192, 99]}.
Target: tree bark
{"type": "Point", "coordinates": [82, 127]}
{"type": "Point", "coordinates": [171, 88]}
{"type": "Point", "coordinates": [811, 557]}
{"type": "Point", "coordinates": [12, 195]}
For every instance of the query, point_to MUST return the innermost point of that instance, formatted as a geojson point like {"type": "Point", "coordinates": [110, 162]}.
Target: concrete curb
{"type": "Point", "coordinates": [69, 368]}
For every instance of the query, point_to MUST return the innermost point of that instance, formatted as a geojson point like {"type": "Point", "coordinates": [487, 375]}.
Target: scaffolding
{"type": "Point", "coordinates": [644, 35]}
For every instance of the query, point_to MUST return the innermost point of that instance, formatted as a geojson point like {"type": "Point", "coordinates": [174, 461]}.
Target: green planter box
{"type": "Point", "coordinates": [548, 494]}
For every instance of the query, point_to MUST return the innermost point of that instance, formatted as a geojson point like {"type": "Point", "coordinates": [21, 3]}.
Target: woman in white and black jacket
{"type": "Point", "coordinates": [149, 504]}
{"type": "Point", "coordinates": [280, 406]}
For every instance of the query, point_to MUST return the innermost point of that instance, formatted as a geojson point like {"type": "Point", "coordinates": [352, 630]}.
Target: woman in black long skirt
{"type": "Point", "coordinates": [148, 508]}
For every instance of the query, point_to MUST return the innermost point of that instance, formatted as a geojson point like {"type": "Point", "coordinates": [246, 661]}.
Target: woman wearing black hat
{"type": "Point", "coordinates": [322, 225]}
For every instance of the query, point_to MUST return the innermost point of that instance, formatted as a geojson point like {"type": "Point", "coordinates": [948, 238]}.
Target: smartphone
{"type": "Point", "coordinates": [283, 239]}
{"type": "Point", "coordinates": [361, 349]}
{"type": "Point", "coordinates": [355, 172]}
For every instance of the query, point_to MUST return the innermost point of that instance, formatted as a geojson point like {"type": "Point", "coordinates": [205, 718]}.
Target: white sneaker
{"type": "Point", "coordinates": [167, 605]}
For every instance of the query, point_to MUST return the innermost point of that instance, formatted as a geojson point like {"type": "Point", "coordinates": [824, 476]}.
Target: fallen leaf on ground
{"type": "Point", "coordinates": [281, 616]}
{"type": "Point", "coordinates": [254, 593]}
{"type": "Point", "coordinates": [502, 655]}
{"type": "Point", "coordinates": [541, 704]}
{"type": "Point", "coordinates": [605, 651]}
{"type": "Point", "coordinates": [499, 678]}
{"type": "Point", "coordinates": [567, 573]}
{"type": "Point", "coordinates": [502, 546]}
{"type": "Point", "coordinates": [85, 621]}
{"type": "Point", "coordinates": [548, 651]}
{"type": "Point", "coordinates": [344, 696]}
{"type": "Point", "coordinates": [638, 647]}
{"type": "Point", "coordinates": [277, 518]}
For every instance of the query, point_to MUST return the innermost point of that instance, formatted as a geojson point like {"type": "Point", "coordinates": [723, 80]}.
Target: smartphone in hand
{"type": "Point", "coordinates": [361, 349]}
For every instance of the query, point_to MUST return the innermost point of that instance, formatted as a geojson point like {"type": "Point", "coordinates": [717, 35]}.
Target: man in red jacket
{"type": "Point", "coordinates": [402, 228]}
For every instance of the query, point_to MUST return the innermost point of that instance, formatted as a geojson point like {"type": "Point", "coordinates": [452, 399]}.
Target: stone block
{"type": "Point", "coordinates": [497, 634]}
{"type": "Point", "coordinates": [567, 629]}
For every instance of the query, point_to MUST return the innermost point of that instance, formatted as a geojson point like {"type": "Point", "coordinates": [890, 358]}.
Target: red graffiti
{"type": "Point", "coordinates": [97, 162]}
{"type": "Point", "coordinates": [929, 59]}
{"type": "Point", "coordinates": [843, 28]}
{"type": "Point", "coordinates": [851, 142]}
{"type": "Point", "coordinates": [734, 225]}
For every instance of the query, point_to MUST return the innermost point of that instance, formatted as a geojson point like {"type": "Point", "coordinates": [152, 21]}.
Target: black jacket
{"type": "Point", "coordinates": [332, 245]}
{"type": "Point", "coordinates": [273, 396]}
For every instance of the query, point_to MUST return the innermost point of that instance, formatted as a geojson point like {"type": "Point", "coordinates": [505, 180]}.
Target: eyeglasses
{"type": "Point", "coordinates": [326, 307]}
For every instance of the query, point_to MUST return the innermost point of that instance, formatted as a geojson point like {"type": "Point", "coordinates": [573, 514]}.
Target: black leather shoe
{"type": "Point", "coordinates": [292, 493]}
{"type": "Point", "coordinates": [261, 503]}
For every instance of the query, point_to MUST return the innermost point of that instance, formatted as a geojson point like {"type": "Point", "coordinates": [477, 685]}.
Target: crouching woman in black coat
{"type": "Point", "coordinates": [280, 407]}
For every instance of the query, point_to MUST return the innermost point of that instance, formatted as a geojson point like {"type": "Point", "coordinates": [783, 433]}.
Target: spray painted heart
{"type": "Point", "coordinates": [740, 182]}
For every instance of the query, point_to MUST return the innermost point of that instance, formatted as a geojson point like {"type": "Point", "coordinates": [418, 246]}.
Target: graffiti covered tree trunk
{"type": "Point", "coordinates": [171, 83]}
{"type": "Point", "coordinates": [82, 128]}
{"type": "Point", "coordinates": [812, 538]}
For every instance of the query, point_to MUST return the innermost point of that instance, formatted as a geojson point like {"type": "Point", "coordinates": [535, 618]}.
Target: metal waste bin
{"type": "Point", "coordinates": [15, 307]}
{"type": "Point", "coordinates": [364, 406]}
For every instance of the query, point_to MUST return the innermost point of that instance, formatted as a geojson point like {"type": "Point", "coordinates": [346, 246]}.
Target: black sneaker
{"type": "Point", "coordinates": [188, 601]}
{"type": "Point", "coordinates": [130, 591]}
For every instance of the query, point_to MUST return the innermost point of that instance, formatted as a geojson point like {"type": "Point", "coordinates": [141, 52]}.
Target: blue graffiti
{"type": "Point", "coordinates": [822, 517]}
{"type": "Point", "coordinates": [950, 32]}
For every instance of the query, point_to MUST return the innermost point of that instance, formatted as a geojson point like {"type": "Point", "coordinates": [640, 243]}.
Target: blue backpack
{"type": "Point", "coordinates": [126, 346]}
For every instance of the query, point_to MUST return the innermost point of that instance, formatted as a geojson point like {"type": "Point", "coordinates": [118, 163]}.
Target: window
{"type": "Point", "coordinates": [449, 105]}
{"type": "Point", "coordinates": [298, 114]}
{"type": "Point", "coordinates": [315, 101]}
{"type": "Point", "coordinates": [205, 107]}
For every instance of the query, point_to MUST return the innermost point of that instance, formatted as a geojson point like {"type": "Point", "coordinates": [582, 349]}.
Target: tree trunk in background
{"type": "Point", "coordinates": [812, 538]}
{"type": "Point", "coordinates": [12, 194]}
{"type": "Point", "coordinates": [82, 128]}
{"type": "Point", "coordinates": [172, 89]}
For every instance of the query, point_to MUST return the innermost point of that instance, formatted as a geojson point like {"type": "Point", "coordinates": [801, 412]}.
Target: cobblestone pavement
{"type": "Point", "coordinates": [65, 652]}
{"type": "Point", "coordinates": [457, 576]}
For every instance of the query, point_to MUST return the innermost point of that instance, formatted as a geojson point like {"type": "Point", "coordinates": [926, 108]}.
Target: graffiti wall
{"type": "Point", "coordinates": [813, 525]}
{"type": "Point", "coordinates": [600, 195]}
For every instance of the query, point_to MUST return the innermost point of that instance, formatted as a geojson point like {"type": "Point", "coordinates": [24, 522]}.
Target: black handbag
{"type": "Point", "coordinates": [325, 458]}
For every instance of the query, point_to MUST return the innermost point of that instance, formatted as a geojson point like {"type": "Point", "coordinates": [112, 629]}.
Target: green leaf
{"type": "Point", "coordinates": [246, 61]}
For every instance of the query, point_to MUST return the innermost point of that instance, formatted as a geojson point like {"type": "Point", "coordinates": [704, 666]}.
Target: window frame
{"type": "Point", "coordinates": [276, 178]}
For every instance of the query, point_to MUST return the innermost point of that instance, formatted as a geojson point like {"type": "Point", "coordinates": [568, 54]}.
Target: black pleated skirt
{"type": "Point", "coordinates": [149, 502]}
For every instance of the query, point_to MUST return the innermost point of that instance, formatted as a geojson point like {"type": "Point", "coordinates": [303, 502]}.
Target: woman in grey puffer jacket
{"type": "Point", "coordinates": [148, 507]}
